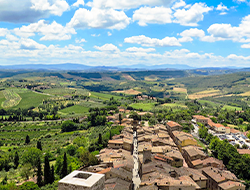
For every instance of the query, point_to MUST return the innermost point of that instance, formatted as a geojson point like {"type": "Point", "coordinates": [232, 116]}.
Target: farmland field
{"type": "Point", "coordinates": [143, 106]}
{"type": "Point", "coordinates": [231, 108]}
{"type": "Point", "coordinates": [12, 98]}
{"type": "Point", "coordinates": [174, 105]}
{"type": "Point", "coordinates": [130, 92]}
{"type": "Point", "coordinates": [181, 90]}
{"type": "Point", "coordinates": [76, 109]}
{"type": "Point", "coordinates": [103, 96]}
{"type": "Point", "coordinates": [30, 99]}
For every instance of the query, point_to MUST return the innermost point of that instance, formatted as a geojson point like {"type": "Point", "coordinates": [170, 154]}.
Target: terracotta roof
{"type": "Point", "coordinates": [211, 160]}
{"type": "Point", "coordinates": [115, 142]}
{"type": "Point", "coordinates": [199, 117]}
{"type": "Point", "coordinates": [197, 162]}
{"type": "Point", "coordinates": [193, 151]}
{"type": "Point", "coordinates": [104, 171]}
{"type": "Point", "coordinates": [243, 151]}
{"type": "Point", "coordinates": [230, 184]}
{"type": "Point", "coordinates": [234, 131]}
{"type": "Point", "coordinates": [173, 124]}
{"type": "Point", "coordinates": [218, 125]}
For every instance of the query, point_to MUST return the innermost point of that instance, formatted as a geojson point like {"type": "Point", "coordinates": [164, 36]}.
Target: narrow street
{"type": "Point", "coordinates": [136, 178]}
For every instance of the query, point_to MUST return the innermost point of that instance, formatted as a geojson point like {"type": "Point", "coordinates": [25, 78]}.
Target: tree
{"type": "Point", "coordinates": [39, 173]}
{"type": "Point", "coordinates": [100, 139]}
{"type": "Point", "coordinates": [47, 172]}
{"type": "Point", "coordinates": [16, 160]}
{"type": "Point", "coordinates": [203, 132]}
{"type": "Point", "coordinates": [27, 140]}
{"type": "Point", "coordinates": [29, 186]}
{"type": "Point", "coordinates": [68, 126]}
{"type": "Point", "coordinates": [52, 177]}
{"type": "Point", "coordinates": [64, 171]}
{"type": "Point", "coordinates": [26, 171]}
{"type": "Point", "coordinates": [39, 145]}
{"type": "Point", "coordinates": [32, 156]}
{"type": "Point", "coordinates": [120, 118]}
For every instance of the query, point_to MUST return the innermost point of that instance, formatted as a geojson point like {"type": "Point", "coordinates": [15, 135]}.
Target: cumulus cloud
{"type": "Point", "coordinates": [78, 3]}
{"type": "Point", "coordinates": [190, 16]}
{"type": "Point", "coordinates": [153, 42]}
{"type": "Point", "coordinates": [109, 34]}
{"type": "Point", "coordinates": [136, 49]}
{"type": "Point", "coordinates": [3, 31]}
{"type": "Point", "coordinates": [228, 32]}
{"type": "Point", "coordinates": [221, 7]}
{"type": "Point", "coordinates": [99, 18]}
{"type": "Point", "coordinates": [53, 31]}
{"type": "Point", "coordinates": [80, 40]}
{"type": "Point", "coordinates": [30, 44]}
{"type": "Point", "coordinates": [245, 46]}
{"type": "Point", "coordinates": [128, 4]}
{"type": "Point", "coordinates": [179, 4]}
{"type": "Point", "coordinates": [107, 48]}
{"type": "Point", "coordinates": [17, 11]}
{"type": "Point", "coordinates": [155, 15]}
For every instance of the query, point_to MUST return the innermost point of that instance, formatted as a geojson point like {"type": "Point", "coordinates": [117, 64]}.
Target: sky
{"type": "Point", "coordinates": [205, 33]}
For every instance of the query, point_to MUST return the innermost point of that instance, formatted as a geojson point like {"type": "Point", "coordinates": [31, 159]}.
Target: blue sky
{"type": "Point", "coordinates": [124, 32]}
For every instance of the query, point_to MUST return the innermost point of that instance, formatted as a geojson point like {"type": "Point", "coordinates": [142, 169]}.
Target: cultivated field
{"type": "Point", "coordinates": [12, 98]}
{"type": "Point", "coordinates": [129, 92]}
{"type": "Point", "coordinates": [203, 94]}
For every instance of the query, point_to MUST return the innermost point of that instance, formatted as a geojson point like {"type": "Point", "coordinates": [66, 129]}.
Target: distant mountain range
{"type": "Point", "coordinates": [80, 67]}
{"type": "Point", "coordinates": [138, 67]}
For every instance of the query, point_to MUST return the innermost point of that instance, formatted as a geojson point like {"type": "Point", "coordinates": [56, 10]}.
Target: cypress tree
{"type": "Point", "coordinates": [39, 173]}
{"type": "Point", "coordinates": [39, 145]}
{"type": "Point", "coordinates": [16, 160]}
{"type": "Point", "coordinates": [64, 171]}
{"type": "Point", "coordinates": [47, 172]}
{"type": "Point", "coordinates": [100, 139]}
{"type": "Point", "coordinates": [27, 140]}
{"type": "Point", "coordinates": [52, 178]}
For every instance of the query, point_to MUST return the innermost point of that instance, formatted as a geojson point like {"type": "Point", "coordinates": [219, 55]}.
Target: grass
{"type": "Point", "coordinates": [245, 94]}
{"type": "Point", "coordinates": [30, 99]}
{"type": "Point", "coordinates": [200, 143]}
{"type": "Point", "coordinates": [203, 102]}
{"type": "Point", "coordinates": [12, 98]}
{"type": "Point", "coordinates": [130, 92]}
{"type": "Point", "coordinates": [174, 105]}
{"type": "Point", "coordinates": [181, 90]}
{"type": "Point", "coordinates": [231, 108]}
{"type": "Point", "coordinates": [103, 96]}
{"type": "Point", "coordinates": [76, 109]}
{"type": "Point", "coordinates": [143, 106]}
{"type": "Point", "coordinates": [2, 98]}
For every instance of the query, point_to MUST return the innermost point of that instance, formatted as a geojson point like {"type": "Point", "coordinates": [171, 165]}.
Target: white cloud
{"type": "Point", "coordinates": [153, 42]}
{"type": "Point", "coordinates": [53, 31]}
{"type": "Point", "coordinates": [98, 18]}
{"type": "Point", "coordinates": [155, 15]}
{"type": "Point", "coordinates": [128, 4]}
{"type": "Point", "coordinates": [245, 46]}
{"type": "Point", "coordinates": [17, 11]}
{"type": "Point", "coordinates": [107, 47]}
{"type": "Point", "coordinates": [192, 15]}
{"type": "Point", "coordinates": [80, 40]}
{"type": "Point", "coordinates": [223, 13]}
{"type": "Point", "coordinates": [95, 35]}
{"type": "Point", "coordinates": [30, 44]}
{"type": "Point", "coordinates": [78, 3]}
{"type": "Point", "coordinates": [179, 4]}
{"type": "Point", "coordinates": [56, 8]}
{"type": "Point", "coordinates": [136, 49]}
{"type": "Point", "coordinates": [109, 34]}
{"type": "Point", "coordinates": [3, 31]}
{"type": "Point", "coordinates": [221, 7]}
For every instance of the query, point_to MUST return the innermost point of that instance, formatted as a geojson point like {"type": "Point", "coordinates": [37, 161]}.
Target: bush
{"type": "Point", "coordinates": [29, 186]}
{"type": "Point", "coordinates": [68, 126]}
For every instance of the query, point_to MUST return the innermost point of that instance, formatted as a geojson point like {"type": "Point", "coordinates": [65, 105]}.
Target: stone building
{"type": "Point", "coordinates": [79, 180]}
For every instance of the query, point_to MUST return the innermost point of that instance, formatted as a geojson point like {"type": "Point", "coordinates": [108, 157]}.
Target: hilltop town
{"type": "Point", "coordinates": [161, 156]}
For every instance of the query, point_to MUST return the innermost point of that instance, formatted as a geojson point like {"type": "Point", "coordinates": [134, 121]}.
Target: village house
{"type": "Point", "coordinates": [173, 126]}
{"type": "Point", "coordinates": [201, 119]}
{"type": "Point", "coordinates": [193, 156]}
{"type": "Point", "coordinates": [115, 144]}
{"type": "Point", "coordinates": [217, 179]}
